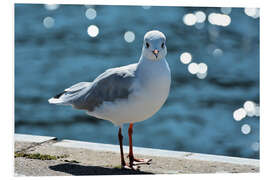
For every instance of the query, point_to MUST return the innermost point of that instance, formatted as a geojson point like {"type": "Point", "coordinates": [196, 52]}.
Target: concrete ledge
{"type": "Point", "coordinates": [138, 150]}
{"type": "Point", "coordinates": [68, 157]}
{"type": "Point", "coordinates": [32, 138]}
{"type": "Point", "coordinates": [158, 152]}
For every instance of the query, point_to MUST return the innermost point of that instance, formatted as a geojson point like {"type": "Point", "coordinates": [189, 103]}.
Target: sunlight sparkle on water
{"type": "Point", "coordinates": [92, 30]}
{"type": "Point", "coordinates": [219, 19]}
{"type": "Point", "coordinates": [226, 10]}
{"type": "Point", "coordinates": [90, 13]}
{"type": "Point", "coordinates": [255, 146]}
{"type": "Point", "coordinates": [252, 12]}
{"type": "Point", "coordinates": [249, 107]}
{"type": "Point", "coordinates": [51, 7]}
{"type": "Point", "coordinates": [193, 68]}
{"type": "Point", "coordinates": [200, 16]}
{"type": "Point", "coordinates": [185, 58]}
{"type": "Point", "coordinates": [257, 111]}
{"type": "Point", "coordinates": [217, 52]}
{"type": "Point", "coordinates": [196, 19]}
{"type": "Point", "coordinates": [48, 22]}
{"type": "Point", "coordinates": [202, 68]}
{"type": "Point", "coordinates": [189, 19]}
{"type": "Point", "coordinates": [239, 114]}
{"type": "Point", "coordinates": [129, 36]}
{"type": "Point", "coordinates": [201, 75]}
{"type": "Point", "coordinates": [245, 129]}
{"type": "Point", "coordinates": [199, 69]}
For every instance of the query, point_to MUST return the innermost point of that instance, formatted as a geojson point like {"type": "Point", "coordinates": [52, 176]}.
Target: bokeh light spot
{"type": "Point", "coordinates": [185, 58]}
{"type": "Point", "coordinates": [201, 75]}
{"type": "Point", "coordinates": [193, 68]}
{"type": "Point", "coordinates": [217, 52]}
{"type": "Point", "coordinates": [257, 111]}
{"type": "Point", "coordinates": [202, 68]}
{"type": "Point", "coordinates": [90, 13]}
{"type": "Point", "coordinates": [189, 19]}
{"type": "Point", "coordinates": [252, 12]}
{"type": "Point", "coordinates": [249, 106]}
{"type": "Point", "coordinates": [255, 146]}
{"type": "Point", "coordinates": [200, 16]}
{"type": "Point", "coordinates": [226, 10]}
{"type": "Point", "coordinates": [245, 129]}
{"type": "Point", "coordinates": [51, 7]}
{"type": "Point", "coordinates": [129, 36]}
{"type": "Point", "coordinates": [48, 22]}
{"type": "Point", "coordinates": [239, 114]}
{"type": "Point", "coordinates": [93, 30]}
{"type": "Point", "coordinates": [219, 19]}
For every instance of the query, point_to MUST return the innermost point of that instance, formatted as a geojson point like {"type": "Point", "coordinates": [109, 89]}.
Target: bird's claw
{"type": "Point", "coordinates": [142, 161]}
{"type": "Point", "coordinates": [133, 167]}
{"type": "Point", "coordinates": [138, 161]}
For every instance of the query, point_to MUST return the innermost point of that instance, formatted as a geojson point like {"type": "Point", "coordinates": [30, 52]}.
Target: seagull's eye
{"type": "Point", "coordinates": [162, 45]}
{"type": "Point", "coordinates": [147, 44]}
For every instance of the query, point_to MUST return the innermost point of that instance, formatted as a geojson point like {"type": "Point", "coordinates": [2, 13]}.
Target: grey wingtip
{"type": "Point", "coordinates": [54, 101]}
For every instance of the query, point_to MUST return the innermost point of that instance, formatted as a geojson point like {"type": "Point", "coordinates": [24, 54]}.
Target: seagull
{"type": "Point", "coordinates": [126, 94]}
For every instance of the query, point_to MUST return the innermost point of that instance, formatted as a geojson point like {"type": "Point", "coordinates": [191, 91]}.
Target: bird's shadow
{"type": "Point", "coordinates": [77, 170]}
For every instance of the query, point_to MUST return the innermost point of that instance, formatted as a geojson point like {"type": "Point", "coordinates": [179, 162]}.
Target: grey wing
{"type": "Point", "coordinates": [71, 94]}
{"type": "Point", "coordinates": [109, 86]}
{"type": "Point", "coordinates": [78, 86]}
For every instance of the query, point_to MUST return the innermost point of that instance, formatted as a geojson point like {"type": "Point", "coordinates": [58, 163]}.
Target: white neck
{"type": "Point", "coordinates": [151, 63]}
{"type": "Point", "coordinates": [150, 70]}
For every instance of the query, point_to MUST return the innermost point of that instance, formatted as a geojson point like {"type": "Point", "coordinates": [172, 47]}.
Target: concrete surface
{"type": "Point", "coordinates": [32, 139]}
{"type": "Point", "coordinates": [85, 158]}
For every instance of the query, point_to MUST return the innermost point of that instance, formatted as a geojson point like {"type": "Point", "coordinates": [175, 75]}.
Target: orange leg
{"type": "Point", "coordinates": [120, 138]}
{"type": "Point", "coordinates": [123, 163]}
{"type": "Point", "coordinates": [134, 161]}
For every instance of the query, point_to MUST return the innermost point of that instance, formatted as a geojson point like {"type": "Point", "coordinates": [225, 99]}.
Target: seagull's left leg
{"type": "Point", "coordinates": [120, 137]}
{"type": "Point", "coordinates": [132, 160]}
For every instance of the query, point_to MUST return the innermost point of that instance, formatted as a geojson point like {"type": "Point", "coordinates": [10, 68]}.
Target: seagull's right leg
{"type": "Point", "coordinates": [132, 160]}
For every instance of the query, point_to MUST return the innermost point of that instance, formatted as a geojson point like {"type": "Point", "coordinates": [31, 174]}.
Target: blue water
{"type": "Point", "coordinates": [198, 115]}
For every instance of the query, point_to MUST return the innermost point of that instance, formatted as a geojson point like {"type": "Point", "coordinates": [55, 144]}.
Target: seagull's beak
{"type": "Point", "coordinates": [156, 52]}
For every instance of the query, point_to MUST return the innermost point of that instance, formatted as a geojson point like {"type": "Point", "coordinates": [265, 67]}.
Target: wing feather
{"type": "Point", "coordinates": [111, 85]}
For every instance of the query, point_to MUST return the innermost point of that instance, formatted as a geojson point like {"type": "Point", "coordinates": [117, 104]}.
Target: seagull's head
{"type": "Point", "coordinates": [154, 47]}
